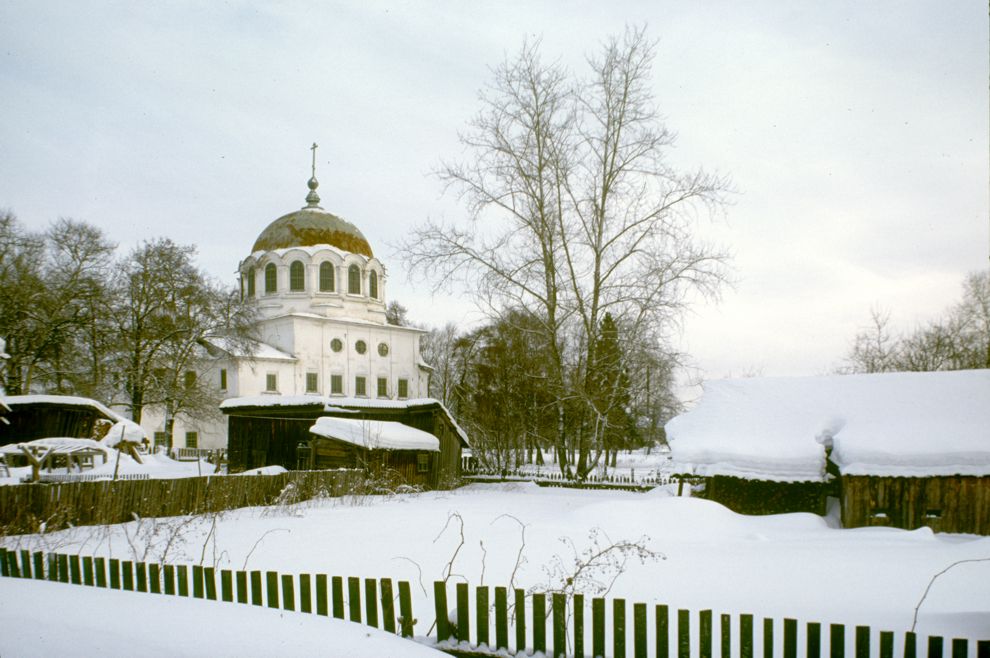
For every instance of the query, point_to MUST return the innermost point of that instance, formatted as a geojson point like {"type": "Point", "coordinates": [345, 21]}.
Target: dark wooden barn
{"type": "Point", "coordinates": [276, 431]}
{"type": "Point", "coordinates": [43, 416]}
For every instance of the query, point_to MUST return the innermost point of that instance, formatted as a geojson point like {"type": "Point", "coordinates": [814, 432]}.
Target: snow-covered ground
{"type": "Point", "coordinates": [703, 555]}
{"type": "Point", "coordinates": [100, 622]}
{"type": "Point", "coordinates": [156, 466]}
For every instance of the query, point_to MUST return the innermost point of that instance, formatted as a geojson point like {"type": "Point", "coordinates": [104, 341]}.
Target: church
{"type": "Point", "coordinates": [320, 293]}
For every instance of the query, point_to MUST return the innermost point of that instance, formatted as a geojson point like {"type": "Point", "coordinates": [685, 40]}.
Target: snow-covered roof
{"type": "Point", "coordinates": [337, 404]}
{"type": "Point", "coordinates": [259, 350]}
{"type": "Point", "coordinates": [375, 434]}
{"type": "Point", "coordinates": [895, 424]}
{"type": "Point", "coordinates": [122, 428]}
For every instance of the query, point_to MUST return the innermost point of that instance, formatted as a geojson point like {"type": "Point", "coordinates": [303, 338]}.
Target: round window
{"type": "Point", "coordinates": [336, 345]}
{"type": "Point", "coordinates": [383, 349]}
{"type": "Point", "coordinates": [361, 347]}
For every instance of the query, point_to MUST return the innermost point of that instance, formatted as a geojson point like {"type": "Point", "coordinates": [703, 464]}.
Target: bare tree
{"type": "Point", "coordinates": [575, 213]}
{"type": "Point", "coordinates": [875, 349]}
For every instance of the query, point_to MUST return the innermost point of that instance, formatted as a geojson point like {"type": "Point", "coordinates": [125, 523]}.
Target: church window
{"type": "Point", "coordinates": [373, 284]}
{"type": "Point", "coordinates": [353, 280]}
{"type": "Point", "coordinates": [336, 384]}
{"type": "Point", "coordinates": [336, 345]}
{"type": "Point", "coordinates": [297, 276]}
{"type": "Point", "coordinates": [361, 347]}
{"type": "Point", "coordinates": [382, 387]}
{"type": "Point", "coordinates": [312, 381]}
{"type": "Point", "coordinates": [271, 382]}
{"type": "Point", "coordinates": [382, 349]}
{"type": "Point", "coordinates": [250, 282]}
{"type": "Point", "coordinates": [326, 277]}
{"type": "Point", "coordinates": [192, 439]}
{"type": "Point", "coordinates": [360, 386]}
{"type": "Point", "coordinates": [223, 379]}
{"type": "Point", "coordinates": [403, 389]}
{"type": "Point", "coordinates": [271, 278]}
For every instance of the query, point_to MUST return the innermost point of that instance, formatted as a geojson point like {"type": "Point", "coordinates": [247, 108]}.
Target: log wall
{"type": "Point", "coordinates": [764, 497]}
{"type": "Point", "coordinates": [956, 503]}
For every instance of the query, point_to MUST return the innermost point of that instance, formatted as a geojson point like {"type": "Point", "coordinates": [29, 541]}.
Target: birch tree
{"type": "Point", "coordinates": [574, 212]}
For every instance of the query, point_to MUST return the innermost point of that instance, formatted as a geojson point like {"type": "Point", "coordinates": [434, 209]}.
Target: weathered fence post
{"type": "Point", "coordinates": [388, 606]}
{"type": "Point", "coordinates": [520, 611]}
{"type": "Point", "coordinates": [240, 578]}
{"type": "Point", "coordinates": [726, 636]}
{"type": "Point", "coordinates": [578, 625]}
{"type": "Point", "coordinates": [256, 595]}
{"type": "Point", "coordinates": [705, 634]}
{"type": "Point", "coordinates": [935, 647]}
{"type": "Point", "coordinates": [481, 612]}
{"type": "Point", "coordinates": [790, 638]}
{"type": "Point", "coordinates": [87, 567]}
{"type": "Point", "coordinates": [558, 604]}
{"type": "Point", "coordinates": [75, 570]}
{"type": "Point", "coordinates": [663, 631]}
{"type": "Point", "coordinates": [501, 618]}
{"type": "Point", "coordinates": [271, 588]}
{"type": "Point", "coordinates": [338, 597]}
{"type": "Point", "coordinates": [197, 576]}
{"type": "Point", "coordinates": [598, 626]}
{"type": "Point", "coordinates": [813, 641]}
{"type": "Point", "coordinates": [182, 575]}
{"type": "Point", "coordinates": [406, 620]}
{"type": "Point", "coordinates": [371, 602]}
{"type": "Point", "coordinates": [767, 638]}
{"type": "Point", "coordinates": [141, 576]}
{"type": "Point", "coordinates": [463, 613]}
{"type": "Point", "coordinates": [639, 630]}
{"type": "Point", "coordinates": [540, 622]}
{"type": "Point", "coordinates": [114, 574]}
{"type": "Point", "coordinates": [862, 642]}
{"type": "Point", "coordinates": [837, 641]}
{"type": "Point", "coordinates": [25, 563]}
{"type": "Point", "coordinates": [683, 634]}
{"type": "Point", "coordinates": [305, 593]}
{"type": "Point", "coordinates": [169, 578]}
{"type": "Point", "coordinates": [39, 565]}
{"type": "Point", "coordinates": [226, 585]}
{"type": "Point", "coordinates": [210, 580]}
{"type": "Point", "coordinates": [288, 592]}
{"type": "Point", "coordinates": [354, 599]}
{"type": "Point", "coordinates": [440, 606]}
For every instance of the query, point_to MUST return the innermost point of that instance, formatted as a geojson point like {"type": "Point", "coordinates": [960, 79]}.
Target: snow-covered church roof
{"type": "Point", "coordinates": [375, 434]}
{"type": "Point", "coordinates": [908, 424]}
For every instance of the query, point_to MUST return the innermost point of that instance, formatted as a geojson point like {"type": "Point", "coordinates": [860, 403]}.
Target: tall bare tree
{"type": "Point", "coordinates": [574, 213]}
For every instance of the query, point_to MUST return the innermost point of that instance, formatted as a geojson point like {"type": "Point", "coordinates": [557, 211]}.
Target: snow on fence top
{"type": "Point", "coordinates": [908, 424]}
{"type": "Point", "coordinates": [375, 434]}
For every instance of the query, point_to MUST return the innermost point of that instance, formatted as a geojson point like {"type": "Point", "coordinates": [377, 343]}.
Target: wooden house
{"type": "Point", "coordinates": [275, 430]}
{"type": "Point", "coordinates": [896, 449]}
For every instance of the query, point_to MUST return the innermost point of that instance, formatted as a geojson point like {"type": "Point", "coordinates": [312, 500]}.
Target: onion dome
{"type": "Point", "coordinates": [311, 226]}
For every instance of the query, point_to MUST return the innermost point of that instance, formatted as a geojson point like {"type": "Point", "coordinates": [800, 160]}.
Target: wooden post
{"type": "Point", "coordinates": [226, 585]}
{"type": "Point", "coordinates": [960, 648]}
{"type": "Point", "coordinates": [87, 568]}
{"type": "Point", "coordinates": [767, 638]}
{"type": "Point", "coordinates": [371, 602]}
{"type": "Point", "coordinates": [388, 606]}
{"type": "Point", "coordinates": [540, 622]}
{"type": "Point", "coordinates": [271, 588]}
{"type": "Point", "coordinates": [983, 649]}
{"type": "Point", "coordinates": [182, 574]}
{"type": "Point", "coordinates": [726, 636]}
{"type": "Point", "coordinates": [639, 630]}
{"type": "Point", "coordinates": [75, 570]}
{"type": "Point", "coordinates": [683, 634]}
{"type": "Point", "coordinates": [354, 598]}
{"type": "Point", "coordinates": [440, 607]}
{"type": "Point", "coordinates": [463, 613]}
{"type": "Point", "coordinates": [322, 595]}
{"type": "Point", "coordinates": [501, 618]}
{"type": "Point", "coordinates": [862, 642]}
{"type": "Point", "coordinates": [337, 585]}
{"type": "Point", "coordinates": [127, 569]}
{"type": "Point", "coordinates": [406, 619]}
{"type": "Point", "coordinates": [241, 586]}
{"type": "Point", "coordinates": [25, 563]}
{"type": "Point", "coordinates": [114, 574]}
{"type": "Point", "coordinates": [39, 565]}
{"type": "Point", "coordinates": [578, 626]}
{"type": "Point", "coordinates": [63, 568]}
{"type": "Point", "coordinates": [4, 569]}
{"type": "Point", "coordinates": [813, 644]}
{"type": "Point", "coordinates": [558, 603]}
{"type": "Point", "coordinates": [790, 638]}
{"type": "Point", "coordinates": [598, 626]}
{"type": "Point", "coordinates": [210, 579]}
{"type": "Point", "coordinates": [52, 567]}
{"type": "Point", "coordinates": [520, 610]}
{"type": "Point", "coordinates": [886, 644]}
{"type": "Point", "coordinates": [169, 578]}
{"type": "Point", "coordinates": [481, 612]}
{"type": "Point", "coordinates": [256, 594]}
{"type": "Point", "coordinates": [305, 593]}
{"type": "Point", "coordinates": [837, 641]}
{"type": "Point", "coordinates": [705, 634]}
{"type": "Point", "coordinates": [663, 631]}
{"type": "Point", "coordinates": [141, 575]}
{"type": "Point", "coordinates": [288, 592]}
{"type": "Point", "coordinates": [935, 646]}
{"type": "Point", "coordinates": [197, 574]}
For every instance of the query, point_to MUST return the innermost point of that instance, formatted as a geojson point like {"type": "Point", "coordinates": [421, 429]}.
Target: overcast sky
{"type": "Point", "coordinates": [856, 134]}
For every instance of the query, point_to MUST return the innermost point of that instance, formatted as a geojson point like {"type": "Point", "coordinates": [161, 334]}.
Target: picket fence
{"type": "Point", "coordinates": [562, 629]}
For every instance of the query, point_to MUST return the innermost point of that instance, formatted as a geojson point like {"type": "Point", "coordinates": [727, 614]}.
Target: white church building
{"type": "Point", "coordinates": [321, 294]}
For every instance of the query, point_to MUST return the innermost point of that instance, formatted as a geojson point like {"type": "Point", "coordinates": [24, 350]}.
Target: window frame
{"type": "Point", "coordinates": [314, 377]}
{"type": "Point", "coordinates": [250, 282]}
{"type": "Point", "coordinates": [402, 388]}
{"type": "Point", "coordinates": [223, 379]}
{"type": "Point", "coordinates": [297, 276]}
{"type": "Point", "coordinates": [271, 382]}
{"type": "Point", "coordinates": [195, 440]}
{"type": "Point", "coordinates": [271, 279]}
{"type": "Point", "coordinates": [353, 280]}
{"type": "Point", "coordinates": [381, 387]}
{"type": "Point", "coordinates": [327, 276]}
{"type": "Point", "coordinates": [373, 284]}
{"type": "Point", "coordinates": [336, 384]}
{"type": "Point", "coordinates": [360, 386]}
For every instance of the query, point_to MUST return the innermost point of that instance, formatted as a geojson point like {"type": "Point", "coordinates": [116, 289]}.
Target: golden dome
{"type": "Point", "coordinates": [312, 226]}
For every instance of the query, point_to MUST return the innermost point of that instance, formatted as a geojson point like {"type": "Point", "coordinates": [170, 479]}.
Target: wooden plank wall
{"type": "Point", "coordinates": [23, 508]}
{"type": "Point", "coordinates": [957, 503]}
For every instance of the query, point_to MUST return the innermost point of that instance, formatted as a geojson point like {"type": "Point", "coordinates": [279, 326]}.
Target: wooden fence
{"type": "Point", "coordinates": [23, 508]}
{"type": "Point", "coordinates": [549, 624]}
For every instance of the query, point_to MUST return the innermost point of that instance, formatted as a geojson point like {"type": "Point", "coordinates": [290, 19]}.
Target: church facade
{"type": "Point", "coordinates": [321, 297]}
